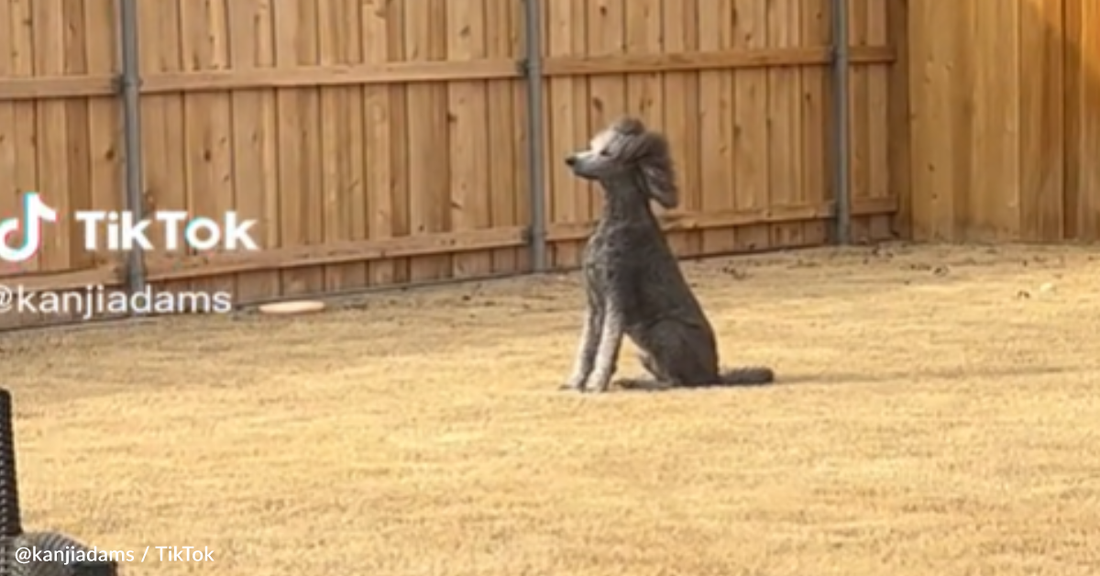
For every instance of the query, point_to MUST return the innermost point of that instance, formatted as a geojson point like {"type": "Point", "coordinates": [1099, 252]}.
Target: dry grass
{"type": "Point", "coordinates": [934, 422]}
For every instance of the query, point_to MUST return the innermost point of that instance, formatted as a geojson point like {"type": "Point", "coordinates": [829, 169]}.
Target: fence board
{"type": "Point", "coordinates": [682, 104]}
{"type": "Point", "coordinates": [878, 121]}
{"type": "Point", "coordinates": [468, 118]}
{"type": "Point", "coordinates": [785, 163]}
{"type": "Point", "coordinates": [384, 141]}
{"type": "Point", "coordinates": [566, 123]}
{"type": "Point", "coordinates": [901, 135]}
{"type": "Point", "coordinates": [255, 137]}
{"type": "Point", "coordinates": [815, 122]}
{"type": "Point", "coordinates": [51, 130]}
{"type": "Point", "coordinates": [751, 134]}
{"type": "Point", "coordinates": [859, 125]}
{"type": "Point", "coordinates": [384, 146]}
{"type": "Point", "coordinates": [106, 150]}
{"type": "Point", "coordinates": [716, 116]}
{"type": "Point", "coordinates": [1083, 121]}
{"type": "Point", "coordinates": [500, 191]}
{"type": "Point", "coordinates": [163, 124]}
{"type": "Point", "coordinates": [429, 136]}
{"type": "Point", "coordinates": [1042, 122]}
{"type": "Point", "coordinates": [342, 145]}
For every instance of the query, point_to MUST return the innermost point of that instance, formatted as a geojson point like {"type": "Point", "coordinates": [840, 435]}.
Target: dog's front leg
{"type": "Point", "coordinates": [586, 351]}
{"type": "Point", "coordinates": [607, 353]}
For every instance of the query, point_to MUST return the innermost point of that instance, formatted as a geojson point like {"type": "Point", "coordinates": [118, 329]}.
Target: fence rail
{"type": "Point", "coordinates": [390, 142]}
{"type": "Point", "coordinates": [61, 87]}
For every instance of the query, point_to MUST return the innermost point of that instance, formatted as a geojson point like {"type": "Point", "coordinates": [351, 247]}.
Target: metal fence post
{"type": "Point", "coordinates": [130, 86]}
{"type": "Point", "coordinates": [532, 67]}
{"type": "Point", "coordinates": [841, 168]}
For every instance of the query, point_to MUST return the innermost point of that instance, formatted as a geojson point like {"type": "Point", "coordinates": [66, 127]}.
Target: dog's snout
{"type": "Point", "coordinates": [570, 160]}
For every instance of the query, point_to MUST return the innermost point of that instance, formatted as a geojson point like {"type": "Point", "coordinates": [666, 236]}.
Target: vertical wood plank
{"type": "Point", "coordinates": [468, 117]}
{"type": "Point", "coordinates": [643, 32]}
{"type": "Point", "coordinates": [18, 154]}
{"type": "Point", "coordinates": [503, 128]}
{"type": "Point", "coordinates": [401, 185]}
{"type": "Point", "coordinates": [429, 137]}
{"type": "Point", "coordinates": [566, 124]}
{"type": "Point", "coordinates": [342, 146]}
{"type": "Point", "coordinates": [77, 135]}
{"type": "Point", "coordinates": [960, 86]}
{"type": "Point", "coordinates": [164, 155]}
{"type": "Point", "coordinates": [750, 143]}
{"type": "Point", "coordinates": [107, 148]}
{"type": "Point", "coordinates": [1074, 75]}
{"type": "Point", "coordinates": [814, 122]}
{"type": "Point", "coordinates": [605, 32]}
{"type": "Point", "coordinates": [383, 118]}
{"type": "Point", "coordinates": [878, 121]}
{"type": "Point", "coordinates": [1042, 121]}
{"type": "Point", "coordinates": [716, 107]}
{"type": "Point", "coordinates": [645, 93]}
{"type": "Point", "coordinates": [859, 117]}
{"type": "Point", "coordinates": [683, 115]}
{"type": "Point", "coordinates": [207, 124]}
{"type": "Point", "coordinates": [48, 18]}
{"type": "Point", "coordinates": [300, 185]}
{"type": "Point", "coordinates": [521, 137]}
{"type": "Point", "coordinates": [899, 132]}
{"type": "Point", "coordinates": [933, 46]}
{"type": "Point", "coordinates": [290, 147]}
{"type": "Point", "coordinates": [974, 187]}
{"type": "Point", "coordinates": [1087, 142]}
{"type": "Point", "coordinates": [994, 208]}
{"type": "Point", "coordinates": [9, 188]}
{"type": "Point", "coordinates": [25, 126]}
{"type": "Point", "coordinates": [785, 161]}
{"type": "Point", "coordinates": [255, 171]}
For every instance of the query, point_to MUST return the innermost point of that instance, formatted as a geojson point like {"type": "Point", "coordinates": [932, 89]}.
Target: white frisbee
{"type": "Point", "coordinates": [293, 307]}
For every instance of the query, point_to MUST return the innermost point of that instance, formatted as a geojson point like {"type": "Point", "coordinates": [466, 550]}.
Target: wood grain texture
{"type": "Point", "coordinates": [1004, 125]}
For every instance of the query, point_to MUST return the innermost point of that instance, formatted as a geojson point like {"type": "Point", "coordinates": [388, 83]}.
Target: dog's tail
{"type": "Point", "coordinates": [747, 376]}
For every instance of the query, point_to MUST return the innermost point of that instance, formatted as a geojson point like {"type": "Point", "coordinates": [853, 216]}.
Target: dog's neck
{"type": "Point", "coordinates": [625, 199]}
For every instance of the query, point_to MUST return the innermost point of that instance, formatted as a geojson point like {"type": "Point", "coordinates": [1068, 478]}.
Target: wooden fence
{"type": "Point", "coordinates": [1005, 100]}
{"type": "Point", "coordinates": [385, 141]}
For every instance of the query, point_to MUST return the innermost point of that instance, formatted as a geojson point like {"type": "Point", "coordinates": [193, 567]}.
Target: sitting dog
{"type": "Point", "coordinates": [633, 283]}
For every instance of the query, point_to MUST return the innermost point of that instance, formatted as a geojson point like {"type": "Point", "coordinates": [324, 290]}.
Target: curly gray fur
{"type": "Point", "coordinates": [47, 546]}
{"type": "Point", "coordinates": [633, 283]}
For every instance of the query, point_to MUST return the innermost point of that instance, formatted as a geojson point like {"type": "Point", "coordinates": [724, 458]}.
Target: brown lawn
{"type": "Point", "coordinates": [932, 421]}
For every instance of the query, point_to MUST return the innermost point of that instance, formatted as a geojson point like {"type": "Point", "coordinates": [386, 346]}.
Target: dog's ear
{"type": "Point", "coordinates": [658, 172]}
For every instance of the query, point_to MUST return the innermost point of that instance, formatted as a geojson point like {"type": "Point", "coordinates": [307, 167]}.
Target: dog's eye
{"type": "Point", "coordinates": [605, 152]}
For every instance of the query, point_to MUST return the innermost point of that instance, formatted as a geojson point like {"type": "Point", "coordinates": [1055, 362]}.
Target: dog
{"type": "Point", "coordinates": [632, 280]}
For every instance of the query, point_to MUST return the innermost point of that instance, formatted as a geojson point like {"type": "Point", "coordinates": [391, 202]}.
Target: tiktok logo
{"type": "Point", "coordinates": [35, 211]}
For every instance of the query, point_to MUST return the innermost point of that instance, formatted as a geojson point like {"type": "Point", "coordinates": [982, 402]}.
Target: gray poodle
{"type": "Point", "coordinates": [633, 282]}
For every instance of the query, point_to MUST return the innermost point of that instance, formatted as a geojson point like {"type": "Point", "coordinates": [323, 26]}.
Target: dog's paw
{"type": "Point", "coordinates": [598, 387]}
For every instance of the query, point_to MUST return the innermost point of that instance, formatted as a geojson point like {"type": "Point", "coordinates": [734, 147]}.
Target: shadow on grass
{"type": "Point", "coordinates": [648, 385]}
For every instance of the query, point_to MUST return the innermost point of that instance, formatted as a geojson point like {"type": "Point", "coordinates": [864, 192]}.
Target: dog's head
{"type": "Point", "coordinates": [627, 147]}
